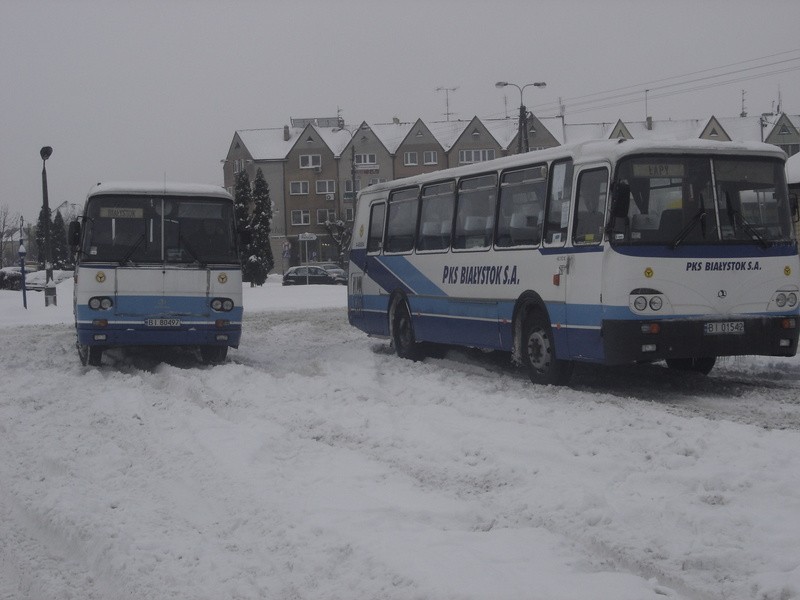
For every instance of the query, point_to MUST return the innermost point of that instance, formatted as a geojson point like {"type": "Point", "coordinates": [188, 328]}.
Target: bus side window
{"type": "Point", "coordinates": [558, 203]}
{"type": "Point", "coordinates": [520, 214]}
{"type": "Point", "coordinates": [436, 216]}
{"type": "Point", "coordinates": [475, 212]}
{"type": "Point", "coordinates": [375, 240]}
{"type": "Point", "coordinates": [590, 207]}
{"type": "Point", "coordinates": [401, 221]}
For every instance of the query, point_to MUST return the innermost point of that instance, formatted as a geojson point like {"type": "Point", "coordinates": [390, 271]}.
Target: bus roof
{"type": "Point", "coordinates": [590, 151]}
{"type": "Point", "coordinates": [155, 188]}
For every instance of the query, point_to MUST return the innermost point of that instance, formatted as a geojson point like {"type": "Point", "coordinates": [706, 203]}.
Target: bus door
{"type": "Point", "coordinates": [584, 268]}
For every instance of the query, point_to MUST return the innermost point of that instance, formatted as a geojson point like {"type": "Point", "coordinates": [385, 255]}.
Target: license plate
{"type": "Point", "coordinates": [724, 327]}
{"type": "Point", "coordinates": [162, 322]}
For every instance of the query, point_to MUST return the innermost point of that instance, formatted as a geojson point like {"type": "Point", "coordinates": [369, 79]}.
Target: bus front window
{"type": "Point", "coordinates": [673, 201]}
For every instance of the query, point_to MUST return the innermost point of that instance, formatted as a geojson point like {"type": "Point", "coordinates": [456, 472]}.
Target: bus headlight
{"type": "Point", "coordinates": [222, 304]}
{"type": "Point", "coordinates": [780, 299]}
{"type": "Point", "coordinates": [656, 303]}
{"type": "Point", "coordinates": [100, 302]}
{"type": "Point", "coordinates": [640, 303]}
{"type": "Point", "coordinates": [791, 299]}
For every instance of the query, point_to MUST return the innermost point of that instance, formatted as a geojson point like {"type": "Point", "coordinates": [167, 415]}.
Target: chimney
{"type": "Point", "coordinates": [649, 123]}
{"type": "Point", "coordinates": [286, 133]}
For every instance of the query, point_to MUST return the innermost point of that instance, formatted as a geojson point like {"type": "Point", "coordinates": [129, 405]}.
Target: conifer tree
{"type": "Point", "coordinates": [41, 254]}
{"type": "Point", "coordinates": [259, 260]}
{"type": "Point", "coordinates": [58, 235]}
{"type": "Point", "coordinates": [242, 201]}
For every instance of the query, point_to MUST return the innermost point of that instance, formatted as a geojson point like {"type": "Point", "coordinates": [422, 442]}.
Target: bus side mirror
{"type": "Point", "coordinates": [74, 235]}
{"type": "Point", "coordinates": [795, 208]}
{"type": "Point", "coordinates": [620, 203]}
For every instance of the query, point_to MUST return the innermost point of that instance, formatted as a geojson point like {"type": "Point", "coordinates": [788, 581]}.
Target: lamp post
{"type": "Point", "coordinates": [49, 286]}
{"type": "Point", "coordinates": [22, 252]}
{"type": "Point", "coordinates": [522, 136]}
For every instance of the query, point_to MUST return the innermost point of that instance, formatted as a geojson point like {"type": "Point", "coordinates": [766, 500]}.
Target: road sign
{"type": "Point", "coordinates": [307, 237]}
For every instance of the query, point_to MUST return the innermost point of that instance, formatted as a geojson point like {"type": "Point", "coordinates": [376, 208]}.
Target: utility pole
{"type": "Point", "coordinates": [447, 91]}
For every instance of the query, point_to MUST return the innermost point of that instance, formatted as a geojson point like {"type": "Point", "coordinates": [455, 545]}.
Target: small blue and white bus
{"type": "Point", "coordinates": [157, 264]}
{"type": "Point", "coordinates": [609, 252]}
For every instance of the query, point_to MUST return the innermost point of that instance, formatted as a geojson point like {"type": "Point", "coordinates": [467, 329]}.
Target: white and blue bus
{"type": "Point", "coordinates": [608, 252]}
{"type": "Point", "coordinates": [157, 265]}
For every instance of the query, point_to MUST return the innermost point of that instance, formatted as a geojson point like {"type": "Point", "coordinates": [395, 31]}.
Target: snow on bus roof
{"type": "Point", "coordinates": [158, 188]}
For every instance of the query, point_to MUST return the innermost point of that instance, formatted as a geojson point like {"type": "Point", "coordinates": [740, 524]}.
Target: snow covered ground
{"type": "Point", "coordinates": [314, 464]}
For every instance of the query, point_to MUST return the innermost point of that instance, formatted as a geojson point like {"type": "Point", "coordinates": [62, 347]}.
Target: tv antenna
{"type": "Point", "coordinates": [447, 91]}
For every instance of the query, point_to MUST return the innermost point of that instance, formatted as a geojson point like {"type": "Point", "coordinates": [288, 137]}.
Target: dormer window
{"type": "Point", "coordinates": [310, 161]}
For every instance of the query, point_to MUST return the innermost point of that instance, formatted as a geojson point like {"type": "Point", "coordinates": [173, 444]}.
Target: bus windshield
{"type": "Point", "coordinates": [696, 200]}
{"type": "Point", "coordinates": [129, 229]}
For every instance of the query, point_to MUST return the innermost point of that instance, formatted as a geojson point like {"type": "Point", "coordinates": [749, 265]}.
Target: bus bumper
{"type": "Point", "coordinates": [112, 335]}
{"type": "Point", "coordinates": [628, 341]}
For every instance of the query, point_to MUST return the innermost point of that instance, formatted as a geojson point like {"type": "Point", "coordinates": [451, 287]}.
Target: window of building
{"type": "Point", "coordinates": [401, 220]}
{"type": "Point", "coordinates": [298, 188]}
{"type": "Point", "coordinates": [430, 157]}
{"type": "Point", "coordinates": [348, 213]}
{"type": "Point", "coordinates": [376, 180]}
{"type": "Point", "coordinates": [475, 212]}
{"type": "Point", "coordinates": [309, 161]}
{"type": "Point", "coordinates": [436, 216]}
{"type": "Point", "coordinates": [366, 159]}
{"type": "Point", "coordinates": [301, 217]}
{"type": "Point", "coordinates": [466, 157]}
{"type": "Point", "coordinates": [410, 159]}
{"type": "Point", "coordinates": [324, 215]}
{"type": "Point", "coordinates": [326, 186]}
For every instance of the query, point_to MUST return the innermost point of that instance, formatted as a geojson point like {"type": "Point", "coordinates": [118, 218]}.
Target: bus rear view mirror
{"type": "Point", "coordinates": [74, 235]}
{"type": "Point", "coordinates": [795, 208]}
{"type": "Point", "coordinates": [621, 200]}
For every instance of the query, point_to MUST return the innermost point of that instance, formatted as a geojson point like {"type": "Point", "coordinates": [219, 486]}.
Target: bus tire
{"type": "Point", "coordinates": [91, 356]}
{"type": "Point", "coordinates": [405, 344]}
{"type": "Point", "coordinates": [213, 355]}
{"type": "Point", "coordinates": [539, 352]}
{"type": "Point", "coordinates": [696, 365]}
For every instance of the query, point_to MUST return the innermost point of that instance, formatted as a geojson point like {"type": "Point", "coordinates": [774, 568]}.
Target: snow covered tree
{"type": "Point", "coordinates": [341, 233]}
{"type": "Point", "coordinates": [62, 258]}
{"type": "Point", "coordinates": [259, 260]}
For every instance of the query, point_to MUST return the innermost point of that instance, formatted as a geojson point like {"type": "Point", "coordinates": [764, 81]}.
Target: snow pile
{"type": "Point", "coordinates": [315, 464]}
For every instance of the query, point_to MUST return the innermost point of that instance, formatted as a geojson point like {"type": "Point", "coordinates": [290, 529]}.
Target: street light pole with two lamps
{"type": "Point", "coordinates": [522, 135]}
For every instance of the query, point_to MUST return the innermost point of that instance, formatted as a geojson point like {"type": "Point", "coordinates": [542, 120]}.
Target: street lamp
{"type": "Point", "coordinates": [522, 136]}
{"type": "Point", "coordinates": [49, 286]}
{"type": "Point", "coordinates": [22, 252]}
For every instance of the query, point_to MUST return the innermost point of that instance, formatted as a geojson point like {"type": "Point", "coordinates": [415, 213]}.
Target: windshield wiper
{"type": "Point", "coordinates": [699, 217]}
{"type": "Point", "coordinates": [734, 214]}
{"type": "Point", "coordinates": [191, 251]}
{"type": "Point", "coordinates": [133, 249]}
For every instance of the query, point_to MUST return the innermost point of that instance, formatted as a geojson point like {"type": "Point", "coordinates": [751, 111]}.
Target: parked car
{"type": "Point", "coordinates": [311, 275]}
{"type": "Point", "coordinates": [337, 272]}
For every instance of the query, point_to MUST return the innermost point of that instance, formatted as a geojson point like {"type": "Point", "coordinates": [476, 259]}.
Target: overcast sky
{"type": "Point", "coordinates": [143, 90]}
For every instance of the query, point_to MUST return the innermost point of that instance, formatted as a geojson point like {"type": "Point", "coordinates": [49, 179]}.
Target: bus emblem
{"type": "Point", "coordinates": [222, 277]}
{"type": "Point", "coordinates": [100, 277]}
{"type": "Point", "coordinates": [787, 270]}
{"type": "Point", "coordinates": [648, 272]}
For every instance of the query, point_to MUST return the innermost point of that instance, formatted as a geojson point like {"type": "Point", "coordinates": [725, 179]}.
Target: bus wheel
{"type": "Point", "coordinates": [213, 355]}
{"type": "Point", "coordinates": [538, 352]}
{"type": "Point", "coordinates": [697, 365]}
{"type": "Point", "coordinates": [403, 333]}
{"type": "Point", "coordinates": [91, 356]}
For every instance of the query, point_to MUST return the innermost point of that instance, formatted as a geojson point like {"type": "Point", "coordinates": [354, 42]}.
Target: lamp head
{"type": "Point", "coordinates": [540, 84]}
{"type": "Point", "coordinates": [501, 84]}
{"type": "Point", "coordinates": [45, 152]}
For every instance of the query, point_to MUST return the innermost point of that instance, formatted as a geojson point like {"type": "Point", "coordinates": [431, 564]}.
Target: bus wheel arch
{"type": "Point", "coordinates": [535, 347]}
{"type": "Point", "coordinates": [526, 303]}
{"type": "Point", "coordinates": [401, 328]}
